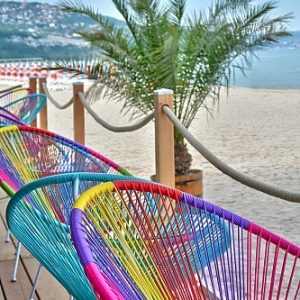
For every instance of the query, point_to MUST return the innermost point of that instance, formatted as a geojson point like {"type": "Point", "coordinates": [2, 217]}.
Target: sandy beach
{"type": "Point", "coordinates": [254, 131]}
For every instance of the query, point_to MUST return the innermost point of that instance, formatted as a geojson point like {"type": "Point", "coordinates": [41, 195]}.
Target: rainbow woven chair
{"type": "Point", "coordinates": [38, 215]}
{"type": "Point", "coordinates": [132, 252]}
{"type": "Point", "coordinates": [28, 153]}
{"type": "Point", "coordinates": [27, 108]}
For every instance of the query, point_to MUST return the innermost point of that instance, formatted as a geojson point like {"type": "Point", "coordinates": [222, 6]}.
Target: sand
{"type": "Point", "coordinates": [254, 131]}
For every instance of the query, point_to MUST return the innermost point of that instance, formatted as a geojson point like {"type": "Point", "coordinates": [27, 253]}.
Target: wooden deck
{"type": "Point", "coordinates": [48, 287]}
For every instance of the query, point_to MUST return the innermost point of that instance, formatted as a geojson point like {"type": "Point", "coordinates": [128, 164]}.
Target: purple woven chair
{"type": "Point", "coordinates": [184, 248]}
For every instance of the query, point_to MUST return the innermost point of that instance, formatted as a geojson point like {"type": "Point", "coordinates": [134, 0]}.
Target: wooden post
{"type": "Point", "coordinates": [44, 111]}
{"type": "Point", "coordinates": [32, 84]}
{"type": "Point", "coordinates": [33, 87]}
{"type": "Point", "coordinates": [164, 139]}
{"type": "Point", "coordinates": [78, 113]}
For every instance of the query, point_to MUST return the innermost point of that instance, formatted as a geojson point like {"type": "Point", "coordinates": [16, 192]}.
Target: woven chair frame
{"type": "Point", "coordinates": [184, 248]}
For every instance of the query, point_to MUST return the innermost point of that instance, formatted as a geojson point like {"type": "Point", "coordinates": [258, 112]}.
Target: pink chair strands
{"type": "Point", "coordinates": [130, 251]}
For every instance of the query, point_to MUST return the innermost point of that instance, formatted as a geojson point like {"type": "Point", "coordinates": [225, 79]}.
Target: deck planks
{"type": "Point", "coordinates": [48, 287]}
{"type": "Point", "coordinates": [14, 290]}
{"type": "Point", "coordinates": [11, 290]}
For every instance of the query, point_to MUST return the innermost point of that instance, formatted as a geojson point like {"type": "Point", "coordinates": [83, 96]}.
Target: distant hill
{"type": "Point", "coordinates": [40, 30]}
{"type": "Point", "coordinates": [33, 29]}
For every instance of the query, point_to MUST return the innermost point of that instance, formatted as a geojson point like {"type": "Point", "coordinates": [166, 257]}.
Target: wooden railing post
{"type": "Point", "coordinates": [32, 84]}
{"type": "Point", "coordinates": [33, 87]}
{"type": "Point", "coordinates": [164, 139]}
{"type": "Point", "coordinates": [44, 111]}
{"type": "Point", "coordinates": [78, 113]}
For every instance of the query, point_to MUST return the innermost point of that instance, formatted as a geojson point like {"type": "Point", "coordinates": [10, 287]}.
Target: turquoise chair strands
{"type": "Point", "coordinates": [38, 216]}
{"type": "Point", "coordinates": [28, 107]}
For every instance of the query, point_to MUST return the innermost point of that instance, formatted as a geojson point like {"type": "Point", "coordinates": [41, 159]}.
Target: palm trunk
{"type": "Point", "coordinates": [183, 158]}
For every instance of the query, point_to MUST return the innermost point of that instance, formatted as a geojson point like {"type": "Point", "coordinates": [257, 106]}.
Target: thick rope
{"type": "Point", "coordinates": [224, 168]}
{"type": "Point", "coordinates": [10, 88]}
{"type": "Point", "coordinates": [234, 174]}
{"type": "Point", "coordinates": [128, 128]}
{"type": "Point", "coordinates": [53, 101]}
{"type": "Point", "coordinates": [67, 104]}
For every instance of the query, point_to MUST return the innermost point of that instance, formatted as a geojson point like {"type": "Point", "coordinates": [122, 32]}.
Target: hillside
{"type": "Point", "coordinates": [35, 29]}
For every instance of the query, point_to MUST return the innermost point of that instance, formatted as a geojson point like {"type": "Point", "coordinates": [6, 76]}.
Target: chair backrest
{"type": "Point", "coordinates": [28, 153]}
{"type": "Point", "coordinates": [186, 248]}
{"type": "Point", "coordinates": [27, 107]}
{"type": "Point", "coordinates": [9, 89]}
{"type": "Point", "coordinates": [38, 215]}
{"type": "Point", "coordinates": [8, 118]}
{"type": "Point", "coordinates": [10, 96]}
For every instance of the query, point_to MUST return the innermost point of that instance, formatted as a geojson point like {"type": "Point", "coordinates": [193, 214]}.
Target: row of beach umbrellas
{"type": "Point", "coordinates": [19, 73]}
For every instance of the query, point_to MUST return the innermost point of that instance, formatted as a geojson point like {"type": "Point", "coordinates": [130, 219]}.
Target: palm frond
{"type": "Point", "coordinates": [194, 56]}
{"type": "Point", "coordinates": [122, 7]}
{"type": "Point", "coordinates": [221, 8]}
{"type": "Point", "coordinates": [177, 10]}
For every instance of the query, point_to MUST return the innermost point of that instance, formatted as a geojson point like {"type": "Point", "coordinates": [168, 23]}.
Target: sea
{"type": "Point", "coordinates": [276, 67]}
{"type": "Point", "coordinates": [272, 67]}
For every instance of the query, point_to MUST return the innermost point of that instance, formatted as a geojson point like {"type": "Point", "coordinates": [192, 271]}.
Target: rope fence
{"type": "Point", "coordinates": [164, 139]}
{"type": "Point", "coordinates": [229, 171]}
{"type": "Point", "coordinates": [53, 101]}
{"type": "Point", "coordinates": [109, 127]}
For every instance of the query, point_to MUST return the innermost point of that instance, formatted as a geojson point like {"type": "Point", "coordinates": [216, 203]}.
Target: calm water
{"type": "Point", "coordinates": [275, 68]}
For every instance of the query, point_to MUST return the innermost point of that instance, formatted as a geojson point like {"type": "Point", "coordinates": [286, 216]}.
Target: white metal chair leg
{"type": "Point", "coordinates": [17, 259]}
{"type": "Point", "coordinates": [7, 237]}
{"type": "Point", "coordinates": [35, 283]}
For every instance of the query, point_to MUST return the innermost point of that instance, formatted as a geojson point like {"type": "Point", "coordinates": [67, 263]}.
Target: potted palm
{"type": "Point", "coordinates": [159, 46]}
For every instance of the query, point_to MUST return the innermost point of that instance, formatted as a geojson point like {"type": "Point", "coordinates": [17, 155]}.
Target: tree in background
{"type": "Point", "coordinates": [160, 46]}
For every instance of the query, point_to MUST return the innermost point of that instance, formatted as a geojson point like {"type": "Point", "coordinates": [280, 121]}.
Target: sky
{"type": "Point", "coordinates": [284, 6]}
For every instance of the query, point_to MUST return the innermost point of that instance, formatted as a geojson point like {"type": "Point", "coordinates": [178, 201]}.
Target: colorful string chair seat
{"type": "Point", "coordinates": [38, 215]}
{"type": "Point", "coordinates": [28, 153]}
{"type": "Point", "coordinates": [129, 252]}
{"type": "Point", "coordinates": [27, 107]}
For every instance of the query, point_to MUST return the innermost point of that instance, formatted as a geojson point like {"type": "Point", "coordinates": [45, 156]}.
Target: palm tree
{"type": "Point", "coordinates": [159, 46]}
